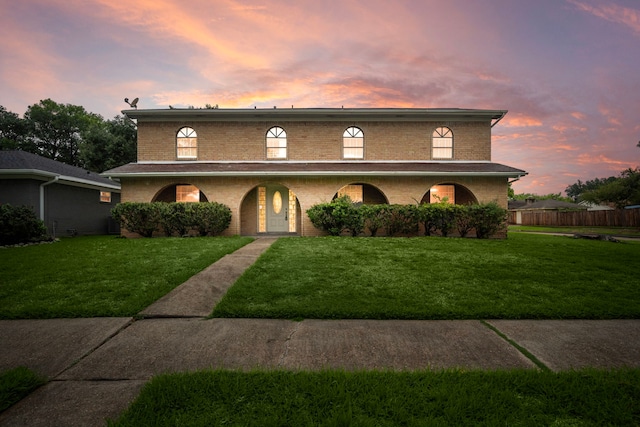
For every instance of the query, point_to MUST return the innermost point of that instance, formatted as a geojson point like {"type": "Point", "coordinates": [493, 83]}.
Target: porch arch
{"type": "Point", "coordinates": [254, 209]}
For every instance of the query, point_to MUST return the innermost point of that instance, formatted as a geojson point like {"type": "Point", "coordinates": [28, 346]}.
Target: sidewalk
{"type": "Point", "coordinates": [98, 366]}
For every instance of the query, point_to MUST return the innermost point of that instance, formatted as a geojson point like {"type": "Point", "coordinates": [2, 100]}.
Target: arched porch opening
{"type": "Point", "coordinates": [452, 193]}
{"type": "Point", "coordinates": [361, 193]}
{"type": "Point", "coordinates": [270, 209]}
{"type": "Point", "coordinates": [182, 192]}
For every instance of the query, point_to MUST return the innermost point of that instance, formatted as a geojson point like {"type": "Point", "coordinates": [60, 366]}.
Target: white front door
{"type": "Point", "coordinates": [277, 209]}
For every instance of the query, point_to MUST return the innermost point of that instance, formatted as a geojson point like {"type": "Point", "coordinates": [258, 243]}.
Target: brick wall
{"type": "Point", "coordinates": [245, 141]}
{"type": "Point", "coordinates": [240, 194]}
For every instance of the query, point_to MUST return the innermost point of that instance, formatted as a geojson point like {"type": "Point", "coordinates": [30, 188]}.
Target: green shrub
{"type": "Point", "coordinates": [209, 217]}
{"type": "Point", "coordinates": [337, 216]}
{"type": "Point", "coordinates": [487, 219]}
{"type": "Point", "coordinates": [373, 217]}
{"type": "Point", "coordinates": [141, 218]}
{"type": "Point", "coordinates": [463, 221]}
{"type": "Point", "coordinates": [19, 224]}
{"type": "Point", "coordinates": [176, 218]}
{"type": "Point", "coordinates": [400, 219]}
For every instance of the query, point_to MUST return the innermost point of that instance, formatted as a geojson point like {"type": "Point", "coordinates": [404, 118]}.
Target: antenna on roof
{"type": "Point", "coordinates": [132, 104]}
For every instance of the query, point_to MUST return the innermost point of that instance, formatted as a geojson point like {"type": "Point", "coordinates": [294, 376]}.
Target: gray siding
{"type": "Point", "coordinates": [21, 192]}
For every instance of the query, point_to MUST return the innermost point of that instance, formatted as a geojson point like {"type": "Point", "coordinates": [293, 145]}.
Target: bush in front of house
{"type": "Point", "coordinates": [19, 224]}
{"type": "Point", "coordinates": [487, 219]}
{"type": "Point", "coordinates": [337, 216]}
{"type": "Point", "coordinates": [141, 218]}
{"type": "Point", "coordinates": [341, 215]}
{"type": "Point", "coordinates": [207, 218]}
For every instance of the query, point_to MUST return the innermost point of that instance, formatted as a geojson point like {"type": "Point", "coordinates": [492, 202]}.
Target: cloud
{"type": "Point", "coordinates": [626, 16]}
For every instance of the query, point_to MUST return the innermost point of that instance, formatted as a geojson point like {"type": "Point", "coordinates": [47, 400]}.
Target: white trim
{"type": "Point", "coordinates": [312, 173]}
{"type": "Point", "coordinates": [62, 179]}
{"type": "Point", "coordinates": [307, 162]}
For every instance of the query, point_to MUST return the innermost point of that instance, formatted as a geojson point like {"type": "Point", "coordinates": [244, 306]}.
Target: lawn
{"type": "Point", "coordinates": [524, 276]}
{"type": "Point", "coordinates": [16, 384]}
{"type": "Point", "coordinates": [609, 231]}
{"type": "Point", "coordinates": [336, 398]}
{"type": "Point", "coordinates": [101, 275]}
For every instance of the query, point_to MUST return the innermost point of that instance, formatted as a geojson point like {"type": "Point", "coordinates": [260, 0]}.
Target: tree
{"type": "Point", "coordinates": [576, 190]}
{"type": "Point", "coordinates": [621, 191]}
{"type": "Point", "coordinates": [57, 129]}
{"type": "Point", "coordinates": [109, 144]}
{"type": "Point", "coordinates": [13, 130]}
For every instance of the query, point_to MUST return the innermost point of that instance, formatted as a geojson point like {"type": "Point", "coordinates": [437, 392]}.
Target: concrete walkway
{"type": "Point", "coordinates": [98, 366]}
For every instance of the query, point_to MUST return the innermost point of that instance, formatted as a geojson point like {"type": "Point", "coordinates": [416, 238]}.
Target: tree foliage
{"type": "Point", "coordinates": [622, 191]}
{"type": "Point", "coordinates": [69, 134]}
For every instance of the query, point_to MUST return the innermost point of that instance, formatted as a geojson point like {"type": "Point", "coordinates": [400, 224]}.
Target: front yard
{"type": "Point", "coordinates": [525, 276]}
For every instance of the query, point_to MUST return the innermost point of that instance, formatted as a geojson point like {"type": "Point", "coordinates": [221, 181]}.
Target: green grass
{"type": "Point", "coordinates": [101, 275]}
{"type": "Point", "coordinates": [610, 231]}
{"type": "Point", "coordinates": [447, 398]}
{"type": "Point", "coordinates": [16, 384]}
{"type": "Point", "coordinates": [524, 276]}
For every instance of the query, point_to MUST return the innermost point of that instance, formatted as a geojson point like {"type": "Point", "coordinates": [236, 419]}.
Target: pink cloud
{"type": "Point", "coordinates": [626, 16]}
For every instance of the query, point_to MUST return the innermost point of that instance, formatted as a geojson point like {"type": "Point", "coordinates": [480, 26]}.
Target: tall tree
{"type": "Point", "coordinates": [13, 130]}
{"type": "Point", "coordinates": [109, 144]}
{"type": "Point", "coordinates": [622, 191]}
{"type": "Point", "coordinates": [576, 190]}
{"type": "Point", "coordinates": [57, 129]}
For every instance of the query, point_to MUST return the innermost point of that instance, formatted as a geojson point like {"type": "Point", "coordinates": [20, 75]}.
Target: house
{"type": "Point", "coordinates": [69, 199]}
{"type": "Point", "coordinates": [517, 207]}
{"type": "Point", "coordinates": [271, 165]}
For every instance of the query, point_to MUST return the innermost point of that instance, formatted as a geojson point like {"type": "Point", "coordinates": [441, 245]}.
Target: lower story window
{"type": "Point", "coordinates": [187, 193]}
{"type": "Point", "coordinates": [443, 193]}
{"type": "Point", "coordinates": [354, 191]}
{"type": "Point", "coordinates": [105, 196]}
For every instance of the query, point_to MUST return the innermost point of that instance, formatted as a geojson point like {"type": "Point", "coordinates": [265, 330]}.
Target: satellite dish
{"type": "Point", "coordinates": [132, 104]}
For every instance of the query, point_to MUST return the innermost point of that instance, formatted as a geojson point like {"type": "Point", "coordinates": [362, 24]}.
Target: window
{"type": "Point", "coordinates": [187, 193]}
{"type": "Point", "coordinates": [187, 143]}
{"type": "Point", "coordinates": [442, 193]}
{"type": "Point", "coordinates": [276, 143]}
{"type": "Point", "coordinates": [105, 196]}
{"type": "Point", "coordinates": [442, 143]}
{"type": "Point", "coordinates": [353, 143]}
{"type": "Point", "coordinates": [354, 191]}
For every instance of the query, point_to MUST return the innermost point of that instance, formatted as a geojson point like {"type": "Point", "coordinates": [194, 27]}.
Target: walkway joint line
{"type": "Point", "coordinates": [526, 353]}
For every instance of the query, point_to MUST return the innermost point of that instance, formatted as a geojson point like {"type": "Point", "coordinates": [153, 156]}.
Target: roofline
{"type": "Point", "coordinates": [315, 114]}
{"type": "Point", "coordinates": [310, 173]}
{"type": "Point", "coordinates": [62, 179]}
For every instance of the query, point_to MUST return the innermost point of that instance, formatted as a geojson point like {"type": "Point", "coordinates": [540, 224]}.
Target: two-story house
{"type": "Point", "coordinates": [271, 165]}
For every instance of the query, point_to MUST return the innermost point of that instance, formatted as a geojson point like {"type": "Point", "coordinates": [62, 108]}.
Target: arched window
{"type": "Point", "coordinates": [187, 143]}
{"type": "Point", "coordinates": [276, 143]}
{"type": "Point", "coordinates": [353, 143]}
{"type": "Point", "coordinates": [442, 143]}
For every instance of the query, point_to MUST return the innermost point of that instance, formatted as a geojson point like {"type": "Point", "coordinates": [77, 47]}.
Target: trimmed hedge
{"type": "Point", "coordinates": [205, 218]}
{"type": "Point", "coordinates": [19, 224]}
{"type": "Point", "coordinates": [342, 216]}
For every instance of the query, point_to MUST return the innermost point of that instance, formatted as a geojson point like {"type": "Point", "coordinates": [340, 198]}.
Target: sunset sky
{"type": "Point", "coordinates": [568, 71]}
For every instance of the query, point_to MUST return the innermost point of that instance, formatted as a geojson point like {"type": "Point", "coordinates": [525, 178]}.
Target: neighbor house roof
{"type": "Point", "coordinates": [20, 164]}
{"type": "Point", "coordinates": [311, 114]}
{"type": "Point", "coordinates": [546, 204]}
{"type": "Point", "coordinates": [287, 168]}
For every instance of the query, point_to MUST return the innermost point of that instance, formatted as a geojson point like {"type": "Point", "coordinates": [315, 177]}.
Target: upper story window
{"type": "Point", "coordinates": [187, 143]}
{"type": "Point", "coordinates": [353, 143]}
{"type": "Point", "coordinates": [442, 143]}
{"type": "Point", "coordinates": [276, 143]}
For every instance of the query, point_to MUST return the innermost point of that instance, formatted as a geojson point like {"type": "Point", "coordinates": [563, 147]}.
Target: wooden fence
{"type": "Point", "coordinates": [615, 218]}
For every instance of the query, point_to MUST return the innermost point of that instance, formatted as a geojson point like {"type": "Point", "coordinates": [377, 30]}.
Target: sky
{"type": "Point", "coordinates": [567, 71]}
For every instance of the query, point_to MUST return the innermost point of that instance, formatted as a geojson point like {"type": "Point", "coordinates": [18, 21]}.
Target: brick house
{"type": "Point", "coordinates": [271, 165]}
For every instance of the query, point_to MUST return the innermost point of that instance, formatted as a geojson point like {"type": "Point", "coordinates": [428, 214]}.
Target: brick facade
{"type": "Point", "coordinates": [392, 137]}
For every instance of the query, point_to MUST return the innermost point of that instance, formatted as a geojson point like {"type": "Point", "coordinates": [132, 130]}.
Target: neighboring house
{"type": "Point", "coordinates": [516, 207]}
{"type": "Point", "coordinates": [271, 165]}
{"type": "Point", "coordinates": [69, 199]}
{"type": "Point", "coordinates": [596, 207]}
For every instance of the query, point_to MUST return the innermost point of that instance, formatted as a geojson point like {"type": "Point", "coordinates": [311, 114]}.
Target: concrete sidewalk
{"type": "Point", "coordinates": [97, 367]}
